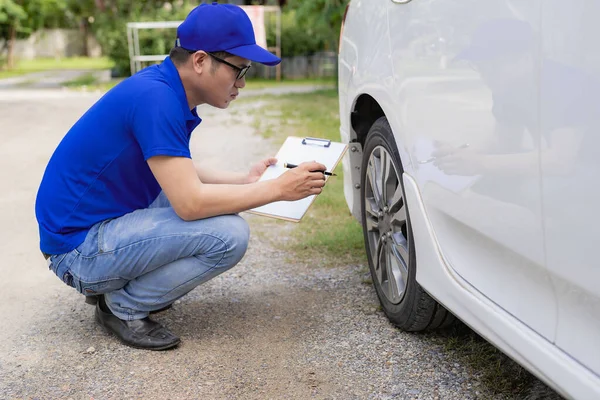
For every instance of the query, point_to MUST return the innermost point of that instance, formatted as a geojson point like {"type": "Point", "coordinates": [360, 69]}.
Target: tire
{"type": "Point", "coordinates": [388, 237]}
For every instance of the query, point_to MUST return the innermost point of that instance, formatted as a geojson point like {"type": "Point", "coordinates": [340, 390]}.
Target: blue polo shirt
{"type": "Point", "coordinates": [99, 169]}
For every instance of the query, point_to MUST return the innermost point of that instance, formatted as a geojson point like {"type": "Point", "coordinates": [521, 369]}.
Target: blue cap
{"type": "Point", "coordinates": [222, 27]}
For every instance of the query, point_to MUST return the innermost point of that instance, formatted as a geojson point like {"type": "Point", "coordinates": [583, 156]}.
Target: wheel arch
{"type": "Point", "coordinates": [365, 112]}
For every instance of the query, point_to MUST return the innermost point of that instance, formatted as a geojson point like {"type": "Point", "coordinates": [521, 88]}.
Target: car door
{"type": "Point", "coordinates": [466, 101]}
{"type": "Point", "coordinates": [570, 83]}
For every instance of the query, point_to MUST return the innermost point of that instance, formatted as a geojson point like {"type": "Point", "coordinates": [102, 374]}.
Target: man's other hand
{"type": "Point", "coordinates": [259, 168]}
{"type": "Point", "coordinates": [303, 181]}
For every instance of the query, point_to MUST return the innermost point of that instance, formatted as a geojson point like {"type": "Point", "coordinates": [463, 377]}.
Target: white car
{"type": "Point", "coordinates": [474, 167]}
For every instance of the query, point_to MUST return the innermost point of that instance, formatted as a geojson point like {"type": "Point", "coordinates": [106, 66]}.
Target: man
{"type": "Point", "coordinates": [124, 215]}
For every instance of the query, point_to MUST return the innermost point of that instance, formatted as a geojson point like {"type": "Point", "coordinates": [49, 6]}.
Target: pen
{"type": "Point", "coordinates": [288, 165]}
{"type": "Point", "coordinates": [462, 146]}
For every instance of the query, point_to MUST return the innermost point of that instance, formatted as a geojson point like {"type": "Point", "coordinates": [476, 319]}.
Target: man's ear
{"type": "Point", "coordinates": [200, 61]}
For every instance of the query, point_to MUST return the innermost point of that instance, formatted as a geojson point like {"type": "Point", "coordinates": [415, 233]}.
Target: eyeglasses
{"type": "Point", "coordinates": [241, 71]}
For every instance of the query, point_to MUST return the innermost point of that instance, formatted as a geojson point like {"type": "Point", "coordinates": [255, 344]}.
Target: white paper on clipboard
{"type": "Point", "coordinates": [296, 150]}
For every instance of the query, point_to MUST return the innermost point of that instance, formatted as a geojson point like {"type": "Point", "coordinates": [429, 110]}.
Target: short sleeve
{"type": "Point", "coordinates": [158, 124]}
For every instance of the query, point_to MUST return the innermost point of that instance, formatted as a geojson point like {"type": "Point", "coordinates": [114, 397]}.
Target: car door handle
{"type": "Point", "coordinates": [401, 1]}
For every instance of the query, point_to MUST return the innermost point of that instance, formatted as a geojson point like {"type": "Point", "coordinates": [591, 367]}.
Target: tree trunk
{"type": "Point", "coordinates": [12, 39]}
{"type": "Point", "coordinates": [84, 27]}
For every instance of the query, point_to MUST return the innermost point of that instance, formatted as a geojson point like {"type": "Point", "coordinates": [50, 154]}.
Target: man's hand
{"type": "Point", "coordinates": [259, 168]}
{"type": "Point", "coordinates": [303, 181]}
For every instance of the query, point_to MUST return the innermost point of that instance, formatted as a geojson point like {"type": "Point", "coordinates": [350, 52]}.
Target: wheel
{"type": "Point", "coordinates": [389, 239]}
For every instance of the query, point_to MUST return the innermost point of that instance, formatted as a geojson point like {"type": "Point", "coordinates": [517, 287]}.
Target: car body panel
{"type": "Point", "coordinates": [571, 193]}
{"type": "Point", "coordinates": [489, 227]}
{"type": "Point", "coordinates": [552, 365]}
{"type": "Point", "coordinates": [353, 61]}
{"type": "Point", "coordinates": [494, 243]}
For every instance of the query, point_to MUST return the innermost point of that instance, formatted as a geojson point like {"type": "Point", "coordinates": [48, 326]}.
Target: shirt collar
{"type": "Point", "coordinates": [174, 80]}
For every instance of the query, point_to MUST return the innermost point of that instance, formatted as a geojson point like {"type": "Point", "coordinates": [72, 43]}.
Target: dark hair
{"type": "Point", "coordinates": [180, 56]}
{"type": "Point", "coordinates": [220, 54]}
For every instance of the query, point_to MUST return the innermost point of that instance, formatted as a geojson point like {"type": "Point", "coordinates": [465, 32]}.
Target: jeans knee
{"type": "Point", "coordinates": [225, 244]}
{"type": "Point", "coordinates": [239, 236]}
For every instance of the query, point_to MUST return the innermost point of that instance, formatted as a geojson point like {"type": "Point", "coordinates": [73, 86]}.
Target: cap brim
{"type": "Point", "coordinates": [255, 53]}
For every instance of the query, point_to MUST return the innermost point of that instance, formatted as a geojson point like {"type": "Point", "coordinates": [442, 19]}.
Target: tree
{"type": "Point", "coordinates": [321, 19]}
{"type": "Point", "coordinates": [19, 18]}
{"type": "Point", "coordinates": [11, 15]}
{"type": "Point", "coordinates": [83, 12]}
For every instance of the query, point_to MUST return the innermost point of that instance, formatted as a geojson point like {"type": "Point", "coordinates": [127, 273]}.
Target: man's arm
{"type": "Point", "coordinates": [192, 199]}
{"type": "Point", "coordinates": [213, 176]}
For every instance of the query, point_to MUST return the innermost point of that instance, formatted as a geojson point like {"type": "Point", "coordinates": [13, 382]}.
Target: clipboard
{"type": "Point", "coordinates": [296, 150]}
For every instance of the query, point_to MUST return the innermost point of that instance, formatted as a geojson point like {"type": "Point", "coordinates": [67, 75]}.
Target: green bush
{"type": "Point", "coordinates": [295, 39]}
{"type": "Point", "coordinates": [320, 19]}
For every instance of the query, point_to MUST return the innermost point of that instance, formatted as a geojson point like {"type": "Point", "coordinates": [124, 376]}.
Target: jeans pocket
{"type": "Point", "coordinates": [55, 261]}
{"type": "Point", "coordinates": [68, 279]}
{"type": "Point", "coordinates": [60, 265]}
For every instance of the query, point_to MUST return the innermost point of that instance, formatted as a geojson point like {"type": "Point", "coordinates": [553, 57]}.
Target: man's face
{"type": "Point", "coordinates": [222, 85]}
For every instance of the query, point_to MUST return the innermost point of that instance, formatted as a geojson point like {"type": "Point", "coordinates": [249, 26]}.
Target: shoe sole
{"type": "Point", "coordinates": [166, 347]}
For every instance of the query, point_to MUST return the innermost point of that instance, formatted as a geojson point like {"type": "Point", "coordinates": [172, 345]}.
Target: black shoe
{"type": "Point", "coordinates": [140, 333]}
{"type": "Point", "coordinates": [93, 300]}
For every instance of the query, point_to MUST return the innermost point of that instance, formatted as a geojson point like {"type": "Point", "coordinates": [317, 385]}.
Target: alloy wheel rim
{"type": "Point", "coordinates": [386, 224]}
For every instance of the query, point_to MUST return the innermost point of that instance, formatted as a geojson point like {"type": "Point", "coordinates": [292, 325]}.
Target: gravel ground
{"type": "Point", "coordinates": [270, 328]}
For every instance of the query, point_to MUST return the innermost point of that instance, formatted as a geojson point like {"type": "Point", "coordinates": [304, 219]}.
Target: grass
{"type": "Point", "coordinates": [48, 64]}
{"type": "Point", "coordinates": [259, 83]}
{"type": "Point", "coordinates": [328, 232]}
{"type": "Point", "coordinates": [86, 84]}
{"type": "Point", "coordinates": [498, 373]}
{"type": "Point", "coordinates": [44, 64]}
{"type": "Point", "coordinates": [83, 80]}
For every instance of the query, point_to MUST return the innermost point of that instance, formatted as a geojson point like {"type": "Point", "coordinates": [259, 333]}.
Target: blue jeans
{"type": "Point", "coordinates": [147, 259]}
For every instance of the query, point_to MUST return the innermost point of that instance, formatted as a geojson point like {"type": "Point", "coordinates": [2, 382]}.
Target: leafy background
{"type": "Point", "coordinates": [308, 26]}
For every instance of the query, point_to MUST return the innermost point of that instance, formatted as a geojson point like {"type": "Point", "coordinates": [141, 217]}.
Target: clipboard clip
{"type": "Point", "coordinates": [316, 142]}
